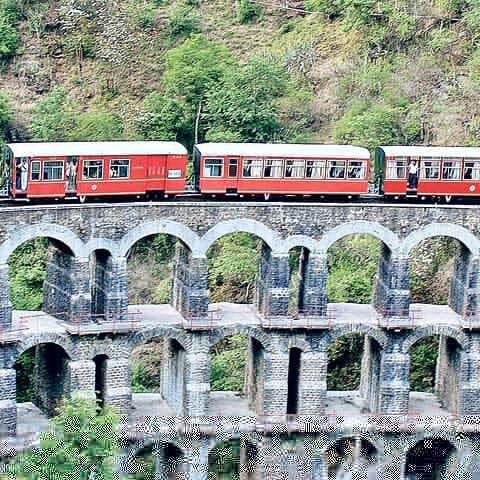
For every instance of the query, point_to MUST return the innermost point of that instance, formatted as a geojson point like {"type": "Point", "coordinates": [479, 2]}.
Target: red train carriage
{"type": "Point", "coordinates": [281, 169]}
{"type": "Point", "coordinates": [96, 169]}
{"type": "Point", "coordinates": [442, 171]}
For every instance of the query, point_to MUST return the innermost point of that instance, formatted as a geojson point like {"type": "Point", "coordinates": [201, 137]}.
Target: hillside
{"type": "Point", "coordinates": [363, 71]}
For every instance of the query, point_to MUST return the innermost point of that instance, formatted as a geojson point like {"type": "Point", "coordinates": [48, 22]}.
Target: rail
{"type": "Point", "coordinates": [471, 320]}
{"type": "Point", "coordinates": [97, 323]}
{"type": "Point", "coordinates": [209, 321]}
{"type": "Point", "coordinates": [391, 318]}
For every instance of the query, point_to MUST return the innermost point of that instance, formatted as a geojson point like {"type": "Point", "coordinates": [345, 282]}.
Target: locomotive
{"type": "Point", "coordinates": [99, 170]}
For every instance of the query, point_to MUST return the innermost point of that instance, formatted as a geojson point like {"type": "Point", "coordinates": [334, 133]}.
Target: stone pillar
{"type": "Point", "coordinates": [82, 378]}
{"type": "Point", "coordinates": [313, 383]}
{"type": "Point", "coordinates": [5, 303]}
{"type": "Point", "coordinates": [8, 407]}
{"type": "Point", "coordinates": [116, 289]}
{"type": "Point", "coordinates": [190, 284]}
{"type": "Point", "coordinates": [196, 460]}
{"type": "Point", "coordinates": [118, 391]}
{"type": "Point", "coordinates": [173, 375]}
{"type": "Point", "coordinates": [370, 373]}
{"type": "Point", "coordinates": [464, 287]}
{"type": "Point", "coordinates": [67, 286]}
{"type": "Point", "coordinates": [394, 383]}
{"type": "Point", "coordinates": [468, 378]}
{"type": "Point", "coordinates": [272, 293]}
{"type": "Point", "coordinates": [448, 372]}
{"type": "Point", "coordinates": [255, 375]}
{"type": "Point", "coordinates": [312, 291]}
{"type": "Point", "coordinates": [392, 291]}
{"type": "Point", "coordinates": [197, 377]}
{"type": "Point", "coordinates": [319, 468]}
{"type": "Point", "coordinates": [275, 393]}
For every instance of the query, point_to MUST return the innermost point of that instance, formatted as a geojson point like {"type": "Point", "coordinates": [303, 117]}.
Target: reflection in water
{"type": "Point", "coordinates": [233, 460]}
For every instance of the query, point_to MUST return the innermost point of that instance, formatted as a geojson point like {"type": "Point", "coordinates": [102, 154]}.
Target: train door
{"type": "Point", "coordinates": [71, 170]}
{"type": "Point", "coordinates": [232, 174]}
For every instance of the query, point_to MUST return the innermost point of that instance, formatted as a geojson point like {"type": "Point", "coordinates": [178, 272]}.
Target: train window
{"type": "Point", "coordinates": [356, 169]}
{"type": "Point", "coordinates": [35, 171]}
{"type": "Point", "coordinates": [336, 169]}
{"type": "Point", "coordinates": [295, 168]}
{"type": "Point", "coordinates": [472, 170]}
{"type": "Point", "coordinates": [53, 170]}
{"type": "Point", "coordinates": [233, 167]}
{"type": "Point", "coordinates": [252, 168]}
{"type": "Point", "coordinates": [430, 169]}
{"type": "Point", "coordinates": [213, 167]}
{"type": "Point", "coordinates": [119, 168]}
{"type": "Point", "coordinates": [315, 169]}
{"type": "Point", "coordinates": [397, 168]}
{"type": "Point", "coordinates": [451, 169]}
{"type": "Point", "coordinates": [273, 168]}
{"type": "Point", "coordinates": [92, 169]}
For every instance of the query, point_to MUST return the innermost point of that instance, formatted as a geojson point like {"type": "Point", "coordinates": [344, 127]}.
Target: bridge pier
{"type": "Point", "coordinates": [8, 407]}
{"type": "Point", "coordinates": [173, 375]}
{"type": "Point", "coordinates": [197, 377]}
{"type": "Point", "coordinates": [312, 291]}
{"type": "Point", "coordinates": [313, 383]}
{"type": "Point", "coordinates": [190, 284]}
{"type": "Point", "coordinates": [5, 303]}
{"type": "Point", "coordinates": [82, 378]}
{"type": "Point", "coordinates": [464, 297]}
{"type": "Point", "coordinates": [392, 290]}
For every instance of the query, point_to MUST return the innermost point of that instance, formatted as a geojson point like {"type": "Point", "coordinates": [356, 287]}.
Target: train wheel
{"type": "Point", "coordinates": [82, 198]}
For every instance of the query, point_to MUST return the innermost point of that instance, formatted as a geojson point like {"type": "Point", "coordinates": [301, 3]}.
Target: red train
{"type": "Point", "coordinates": [79, 170]}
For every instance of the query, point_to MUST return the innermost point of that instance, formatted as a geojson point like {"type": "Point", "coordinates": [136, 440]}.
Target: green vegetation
{"type": "Point", "coordinates": [81, 444]}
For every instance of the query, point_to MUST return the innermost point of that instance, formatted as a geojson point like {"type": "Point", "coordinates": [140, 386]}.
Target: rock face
{"type": "Point", "coordinates": [85, 345]}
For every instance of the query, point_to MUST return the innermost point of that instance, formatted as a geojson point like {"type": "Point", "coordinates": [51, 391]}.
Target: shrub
{"type": "Point", "coordinates": [248, 11]}
{"type": "Point", "coordinates": [97, 126]}
{"type": "Point", "coordinates": [183, 21]}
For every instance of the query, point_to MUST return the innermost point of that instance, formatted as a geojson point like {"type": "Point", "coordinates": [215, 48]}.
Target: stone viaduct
{"type": "Point", "coordinates": [84, 340]}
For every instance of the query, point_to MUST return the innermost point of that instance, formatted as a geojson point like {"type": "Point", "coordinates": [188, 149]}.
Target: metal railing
{"type": "Point", "coordinates": [471, 320]}
{"type": "Point", "coordinates": [399, 318]}
{"type": "Point", "coordinates": [97, 323]}
{"type": "Point", "coordinates": [209, 321]}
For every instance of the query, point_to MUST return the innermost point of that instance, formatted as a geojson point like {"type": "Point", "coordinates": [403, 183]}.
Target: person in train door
{"type": "Point", "coordinates": [21, 174]}
{"type": "Point", "coordinates": [71, 173]}
{"type": "Point", "coordinates": [412, 175]}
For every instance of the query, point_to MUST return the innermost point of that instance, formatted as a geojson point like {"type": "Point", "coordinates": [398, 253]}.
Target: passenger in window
{"type": "Point", "coordinates": [412, 175]}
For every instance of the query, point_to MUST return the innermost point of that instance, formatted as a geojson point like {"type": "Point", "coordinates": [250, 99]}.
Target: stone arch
{"type": "Point", "coordinates": [167, 227]}
{"type": "Point", "coordinates": [270, 237]}
{"type": "Point", "coordinates": [369, 437]}
{"type": "Point", "coordinates": [110, 246]}
{"type": "Point", "coordinates": [300, 343]}
{"type": "Point", "coordinates": [337, 332]}
{"type": "Point", "coordinates": [49, 230]}
{"type": "Point", "coordinates": [389, 238]}
{"type": "Point", "coordinates": [150, 442]}
{"type": "Point", "coordinates": [148, 334]}
{"type": "Point", "coordinates": [262, 337]}
{"type": "Point", "coordinates": [225, 436]}
{"type": "Point", "coordinates": [37, 339]}
{"type": "Point", "coordinates": [458, 441]}
{"type": "Point", "coordinates": [424, 332]}
{"type": "Point", "coordinates": [299, 241]}
{"type": "Point", "coordinates": [457, 232]}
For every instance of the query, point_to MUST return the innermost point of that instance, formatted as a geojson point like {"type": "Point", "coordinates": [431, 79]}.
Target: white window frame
{"type": "Point", "coordinates": [428, 164]}
{"type": "Point", "coordinates": [297, 167]}
{"type": "Point", "coordinates": [207, 168]}
{"type": "Point", "coordinates": [39, 163]}
{"type": "Point", "coordinates": [475, 168]}
{"type": "Point", "coordinates": [395, 165]}
{"type": "Point", "coordinates": [256, 167]}
{"type": "Point", "coordinates": [119, 166]}
{"type": "Point", "coordinates": [456, 168]}
{"type": "Point", "coordinates": [61, 166]}
{"type": "Point", "coordinates": [276, 166]}
{"type": "Point", "coordinates": [331, 165]}
{"type": "Point", "coordinates": [360, 164]}
{"type": "Point", "coordinates": [316, 165]}
{"type": "Point", "coordinates": [88, 178]}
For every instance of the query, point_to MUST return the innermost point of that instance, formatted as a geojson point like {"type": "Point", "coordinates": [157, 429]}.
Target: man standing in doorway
{"type": "Point", "coordinates": [412, 175]}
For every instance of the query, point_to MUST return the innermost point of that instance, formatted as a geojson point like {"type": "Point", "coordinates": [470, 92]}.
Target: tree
{"type": "Point", "coordinates": [97, 126]}
{"type": "Point", "coordinates": [5, 113]}
{"type": "Point", "coordinates": [52, 120]}
{"type": "Point", "coordinates": [195, 67]}
{"type": "Point", "coordinates": [244, 106]}
{"type": "Point", "coordinates": [80, 445]}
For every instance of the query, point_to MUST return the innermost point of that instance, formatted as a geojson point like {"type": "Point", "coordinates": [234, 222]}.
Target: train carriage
{"type": "Point", "coordinates": [96, 169]}
{"type": "Point", "coordinates": [281, 169]}
{"type": "Point", "coordinates": [442, 171]}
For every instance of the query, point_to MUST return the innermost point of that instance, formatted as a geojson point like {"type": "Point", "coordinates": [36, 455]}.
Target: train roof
{"type": "Point", "coordinates": [420, 151]}
{"type": "Point", "coordinates": [64, 149]}
{"type": "Point", "coordinates": [283, 150]}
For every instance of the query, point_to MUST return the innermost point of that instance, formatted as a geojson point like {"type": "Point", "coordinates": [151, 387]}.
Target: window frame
{"type": "Point", "coordinates": [252, 159]}
{"type": "Point", "coordinates": [323, 168]}
{"type": "Point", "coordinates": [281, 164]}
{"type": "Point", "coordinates": [62, 166]}
{"type": "Point", "coordinates": [473, 161]}
{"type": "Point", "coordinates": [392, 165]}
{"type": "Point", "coordinates": [423, 167]}
{"type": "Point", "coordinates": [119, 166]}
{"type": "Point", "coordinates": [234, 165]}
{"type": "Point", "coordinates": [40, 169]}
{"type": "Point", "coordinates": [96, 179]}
{"type": "Point", "coordinates": [459, 162]}
{"type": "Point", "coordinates": [330, 166]}
{"type": "Point", "coordinates": [221, 165]}
{"type": "Point", "coordinates": [295, 167]}
{"type": "Point", "coordinates": [362, 165]}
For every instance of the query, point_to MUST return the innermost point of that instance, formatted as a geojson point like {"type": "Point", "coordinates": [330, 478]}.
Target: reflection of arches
{"type": "Point", "coordinates": [457, 232]}
{"type": "Point", "coordinates": [271, 238]}
{"type": "Point", "coordinates": [431, 459]}
{"type": "Point", "coordinates": [168, 227]}
{"type": "Point", "coordinates": [47, 230]}
{"type": "Point", "coordinates": [233, 458]}
{"type": "Point", "coordinates": [358, 227]}
{"type": "Point", "coordinates": [351, 457]}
